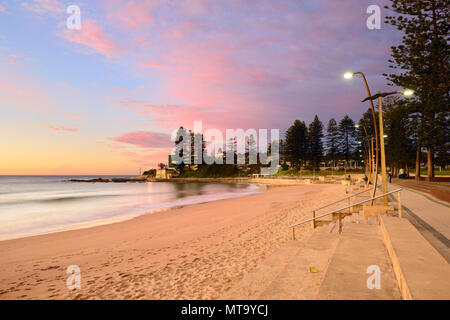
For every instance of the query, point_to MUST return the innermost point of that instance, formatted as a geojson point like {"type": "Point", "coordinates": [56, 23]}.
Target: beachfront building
{"type": "Point", "coordinates": [165, 173]}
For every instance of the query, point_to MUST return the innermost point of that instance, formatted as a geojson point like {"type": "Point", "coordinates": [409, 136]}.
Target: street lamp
{"type": "Point", "coordinates": [379, 96]}
{"type": "Point", "coordinates": [349, 76]}
{"type": "Point", "coordinates": [408, 92]}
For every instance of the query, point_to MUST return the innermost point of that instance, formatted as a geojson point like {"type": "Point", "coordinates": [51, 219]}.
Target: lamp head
{"type": "Point", "coordinates": [408, 92]}
{"type": "Point", "coordinates": [348, 75]}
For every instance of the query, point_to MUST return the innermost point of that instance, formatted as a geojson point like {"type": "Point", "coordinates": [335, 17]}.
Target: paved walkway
{"type": "Point", "coordinates": [431, 217]}
{"type": "Point", "coordinates": [439, 190]}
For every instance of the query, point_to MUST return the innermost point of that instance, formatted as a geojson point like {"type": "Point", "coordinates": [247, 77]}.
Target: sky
{"type": "Point", "coordinates": [104, 99]}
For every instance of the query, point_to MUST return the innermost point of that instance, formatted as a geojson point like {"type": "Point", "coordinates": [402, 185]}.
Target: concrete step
{"type": "Point", "coordinates": [354, 216]}
{"type": "Point", "coordinates": [256, 281]}
{"type": "Point", "coordinates": [360, 246]}
{"type": "Point", "coordinates": [330, 227]}
{"type": "Point", "coordinates": [373, 221]}
{"type": "Point", "coordinates": [361, 197]}
{"type": "Point", "coordinates": [421, 272]}
{"type": "Point", "coordinates": [357, 208]}
{"type": "Point", "coordinates": [296, 281]}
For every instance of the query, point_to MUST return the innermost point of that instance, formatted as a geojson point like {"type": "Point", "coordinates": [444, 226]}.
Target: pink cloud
{"type": "Point", "coordinates": [261, 71]}
{"type": "Point", "coordinates": [92, 36]}
{"type": "Point", "coordinates": [44, 124]}
{"type": "Point", "coordinates": [147, 159]}
{"type": "Point", "coordinates": [144, 139]}
{"type": "Point", "coordinates": [14, 58]}
{"type": "Point", "coordinates": [149, 64]}
{"type": "Point", "coordinates": [74, 117]}
{"type": "Point", "coordinates": [43, 6]}
{"type": "Point", "coordinates": [61, 128]}
{"type": "Point", "coordinates": [219, 75]}
{"type": "Point", "coordinates": [195, 7]}
{"type": "Point", "coordinates": [171, 117]}
{"type": "Point", "coordinates": [20, 91]}
{"type": "Point", "coordinates": [2, 9]}
{"type": "Point", "coordinates": [130, 14]}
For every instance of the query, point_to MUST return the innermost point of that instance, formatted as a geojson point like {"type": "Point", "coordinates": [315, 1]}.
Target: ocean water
{"type": "Point", "coordinates": [38, 204]}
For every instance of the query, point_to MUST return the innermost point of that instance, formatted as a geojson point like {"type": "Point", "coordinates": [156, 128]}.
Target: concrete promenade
{"type": "Point", "coordinates": [430, 216]}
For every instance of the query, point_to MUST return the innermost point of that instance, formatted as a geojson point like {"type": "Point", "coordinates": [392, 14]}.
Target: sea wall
{"type": "Point", "coordinates": [254, 180]}
{"type": "Point", "coordinates": [269, 180]}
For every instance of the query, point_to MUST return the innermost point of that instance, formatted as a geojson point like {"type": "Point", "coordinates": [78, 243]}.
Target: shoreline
{"type": "Point", "coordinates": [126, 216]}
{"type": "Point", "coordinates": [87, 224]}
{"type": "Point", "coordinates": [196, 252]}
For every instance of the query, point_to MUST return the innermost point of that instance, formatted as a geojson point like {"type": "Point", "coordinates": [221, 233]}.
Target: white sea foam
{"type": "Point", "coordinates": [34, 205]}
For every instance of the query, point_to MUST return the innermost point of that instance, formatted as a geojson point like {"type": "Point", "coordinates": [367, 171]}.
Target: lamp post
{"type": "Point", "coordinates": [379, 96]}
{"type": "Point", "coordinates": [349, 76]}
{"type": "Point", "coordinates": [383, 154]}
{"type": "Point", "coordinates": [373, 159]}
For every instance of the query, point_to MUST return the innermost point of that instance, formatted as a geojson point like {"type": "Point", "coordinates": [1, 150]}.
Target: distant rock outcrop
{"type": "Point", "coordinates": [130, 179]}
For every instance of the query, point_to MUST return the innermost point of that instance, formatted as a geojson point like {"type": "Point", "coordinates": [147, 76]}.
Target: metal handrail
{"type": "Point", "coordinates": [346, 207]}
{"type": "Point", "coordinates": [348, 197]}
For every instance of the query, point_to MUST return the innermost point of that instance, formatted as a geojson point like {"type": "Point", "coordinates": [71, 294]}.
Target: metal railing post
{"type": "Point", "coordinates": [313, 223]}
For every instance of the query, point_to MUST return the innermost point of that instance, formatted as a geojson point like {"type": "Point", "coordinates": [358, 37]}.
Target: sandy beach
{"type": "Point", "coordinates": [194, 252]}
